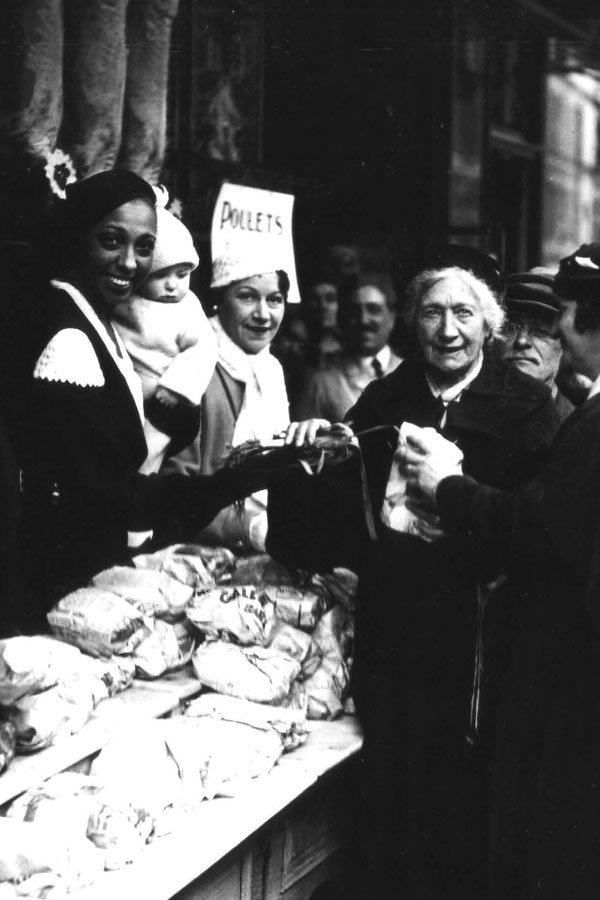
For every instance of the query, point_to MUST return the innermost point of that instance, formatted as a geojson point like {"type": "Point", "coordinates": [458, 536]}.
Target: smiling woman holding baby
{"type": "Point", "coordinates": [80, 438]}
{"type": "Point", "coordinates": [417, 608]}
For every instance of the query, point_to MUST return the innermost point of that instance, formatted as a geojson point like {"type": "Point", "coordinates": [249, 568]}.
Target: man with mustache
{"type": "Point", "coordinates": [530, 342]}
{"type": "Point", "coordinates": [366, 317]}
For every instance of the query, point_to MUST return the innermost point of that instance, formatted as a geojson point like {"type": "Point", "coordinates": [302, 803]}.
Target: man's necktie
{"type": "Point", "coordinates": [377, 367]}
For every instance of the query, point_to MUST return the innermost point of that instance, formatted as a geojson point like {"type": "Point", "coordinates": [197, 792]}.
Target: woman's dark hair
{"type": "Point", "coordinates": [587, 315]}
{"type": "Point", "coordinates": [87, 202]}
{"type": "Point", "coordinates": [283, 282]}
{"type": "Point", "coordinates": [217, 294]}
{"type": "Point", "coordinates": [90, 199]}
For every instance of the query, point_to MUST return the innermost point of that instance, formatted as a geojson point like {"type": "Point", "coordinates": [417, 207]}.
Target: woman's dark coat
{"type": "Point", "coordinates": [79, 447]}
{"type": "Point", "coordinates": [416, 620]}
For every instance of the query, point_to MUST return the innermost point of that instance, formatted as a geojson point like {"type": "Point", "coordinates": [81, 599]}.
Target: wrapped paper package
{"type": "Point", "coordinates": [289, 722]}
{"type": "Point", "coordinates": [405, 513]}
{"type": "Point", "coordinates": [88, 808]}
{"type": "Point", "coordinates": [153, 593]}
{"type": "Point", "coordinates": [243, 612]}
{"type": "Point", "coordinates": [167, 648]}
{"type": "Point", "coordinates": [138, 765]}
{"type": "Point", "coordinates": [99, 622]}
{"type": "Point", "coordinates": [31, 848]}
{"type": "Point", "coordinates": [298, 645]}
{"type": "Point", "coordinates": [8, 742]}
{"type": "Point", "coordinates": [252, 673]}
{"type": "Point", "coordinates": [191, 564]}
{"type": "Point", "coordinates": [219, 757]}
{"type": "Point", "coordinates": [45, 718]}
{"type": "Point", "coordinates": [32, 664]}
{"type": "Point", "coordinates": [327, 688]}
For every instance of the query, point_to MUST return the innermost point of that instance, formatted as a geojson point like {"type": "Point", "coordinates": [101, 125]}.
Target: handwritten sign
{"type": "Point", "coordinates": [251, 234]}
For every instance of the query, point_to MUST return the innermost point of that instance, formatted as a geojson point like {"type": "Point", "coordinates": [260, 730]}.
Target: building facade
{"type": "Point", "coordinates": [395, 123]}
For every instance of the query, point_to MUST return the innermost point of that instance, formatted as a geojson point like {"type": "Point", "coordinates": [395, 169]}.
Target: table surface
{"type": "Point", "coordinates": [216, 827]}
{"type": "Point", "coordinates": [209, 832]}
{"type": "Point", "coordinates": [144, 699]}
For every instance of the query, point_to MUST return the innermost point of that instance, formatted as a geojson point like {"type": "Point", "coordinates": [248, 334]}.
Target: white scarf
{"type": "Point", "coordinates": [265, 408]}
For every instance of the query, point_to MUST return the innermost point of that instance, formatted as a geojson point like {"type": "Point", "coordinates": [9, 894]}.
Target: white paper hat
{"type": "Point", "coordinates": [251, 234]}
{"type": "Point", "coordinates": [227, 269]}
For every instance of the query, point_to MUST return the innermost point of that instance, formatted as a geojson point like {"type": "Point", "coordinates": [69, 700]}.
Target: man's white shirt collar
{"type": "Point", "coordinates": [384, 357]}
{"type": "Point", "coordinates": [595, 388]}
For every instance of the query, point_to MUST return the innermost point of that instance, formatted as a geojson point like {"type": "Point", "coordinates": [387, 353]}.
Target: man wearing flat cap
{"type": "Point", "coordinates": [530, 342]}
{"type": "Point", "coordinates": [546, 822]}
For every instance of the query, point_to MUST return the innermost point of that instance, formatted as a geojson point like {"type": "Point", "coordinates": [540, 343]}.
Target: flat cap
{"type": "Point", "coordinates": [531, 290]}
{"type": "Point", "coordinates": [578, 275]}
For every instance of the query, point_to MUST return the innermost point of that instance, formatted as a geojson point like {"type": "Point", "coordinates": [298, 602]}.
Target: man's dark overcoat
{"type": "Point", "coordinates": [547, 762]}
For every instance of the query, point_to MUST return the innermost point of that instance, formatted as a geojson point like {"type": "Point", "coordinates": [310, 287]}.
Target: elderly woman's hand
{"type": "Point", "coordinates": [301, 434]}
{"type": "Point", "coordinates": [427, 458]}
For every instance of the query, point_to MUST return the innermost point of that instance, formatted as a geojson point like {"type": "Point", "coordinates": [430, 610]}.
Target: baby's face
{"type": "Point", "coordinates": [167, 285]}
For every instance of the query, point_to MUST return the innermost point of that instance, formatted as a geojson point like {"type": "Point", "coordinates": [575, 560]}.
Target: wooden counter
{"type": "Point", "coordinates": [144, 700]}
{"type": "Point", "coordinates": [280, 834]}
{"type": "Point", "coordinates": [279, 839]}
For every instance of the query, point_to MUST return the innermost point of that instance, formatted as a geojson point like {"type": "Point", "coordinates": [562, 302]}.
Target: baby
{"type": "Point", "coordinates": [169, 339]}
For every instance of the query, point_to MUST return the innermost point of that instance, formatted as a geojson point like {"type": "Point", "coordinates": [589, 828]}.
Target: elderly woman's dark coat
{"type": "Point", "coordinates": [417, 621]}
{"type": "Point", "coordinates": [547, 809]}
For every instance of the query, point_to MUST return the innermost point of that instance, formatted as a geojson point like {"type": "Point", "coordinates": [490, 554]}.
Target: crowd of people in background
{"type": "Point", "coordinates": [350, 329]}
{"type": "Point", "coordinates": [478, 575]}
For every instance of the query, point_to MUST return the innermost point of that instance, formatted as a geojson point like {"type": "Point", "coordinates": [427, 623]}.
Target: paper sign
{"type": "Point", "coordinates": [251, 234]}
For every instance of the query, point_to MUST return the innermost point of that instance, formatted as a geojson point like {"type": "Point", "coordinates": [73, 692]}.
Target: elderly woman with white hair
{"type": "Point", "coordinates": [416, 677]}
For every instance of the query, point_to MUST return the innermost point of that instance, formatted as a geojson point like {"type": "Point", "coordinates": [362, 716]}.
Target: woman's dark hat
{"type": "Point", "coordinates": [479, 263]}
{"type": "Point", "coordinates": [578, 275]}
{"type": "Point", "coordinates": [531, 292]}
{"type": "Point", "coordinates": [92, 198]}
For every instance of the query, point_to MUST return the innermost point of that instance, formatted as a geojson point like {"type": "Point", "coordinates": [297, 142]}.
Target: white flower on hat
{"type": "Point", "coordinates": [59, 170]}
{"type": "Point", "coordinates": [162, 196]}
{"type": "Point", "coordinates": [163, 201]}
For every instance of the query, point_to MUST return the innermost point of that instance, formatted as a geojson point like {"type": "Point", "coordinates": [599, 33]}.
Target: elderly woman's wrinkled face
{"type": "Point", "coordinates": [252, 310]}
{"type": "Point", "coordinates": [118, 254]}
{"type": "Point", "coordinates": [451, 329]}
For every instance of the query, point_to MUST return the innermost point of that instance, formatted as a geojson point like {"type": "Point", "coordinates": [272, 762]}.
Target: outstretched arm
{"type": "Point", "coordinates": [550, 521]}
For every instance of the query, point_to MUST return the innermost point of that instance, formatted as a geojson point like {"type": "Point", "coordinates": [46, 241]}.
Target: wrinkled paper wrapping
{"type": "Point", "coordinates": [402, 512]}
